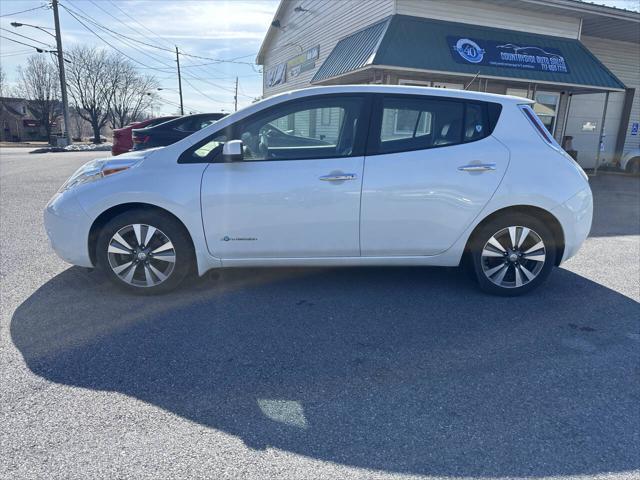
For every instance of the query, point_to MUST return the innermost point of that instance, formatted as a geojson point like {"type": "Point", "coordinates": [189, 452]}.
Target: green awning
{"type": "Point", "coordinates": [455, 48]}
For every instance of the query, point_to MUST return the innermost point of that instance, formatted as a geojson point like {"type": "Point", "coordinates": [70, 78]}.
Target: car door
{"type": "Point", "coordinates": [288, 199]}
{"type": "Point", "coordinates": [430, 168]}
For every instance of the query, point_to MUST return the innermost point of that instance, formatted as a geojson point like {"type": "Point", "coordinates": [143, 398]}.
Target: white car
{"type": "Point", "coordinates": [335, 176]}
{"type": "Point", "coordinates": [630, 161]}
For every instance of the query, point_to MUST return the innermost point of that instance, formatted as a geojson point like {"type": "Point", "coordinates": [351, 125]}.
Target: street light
{"type": "Point", "coordinates": [44, 29]}
{"type": "Point", "coordinates": [61, 60]}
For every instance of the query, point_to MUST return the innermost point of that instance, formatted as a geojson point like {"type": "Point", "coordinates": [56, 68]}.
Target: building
{"type": "Point", "coordinates": [579, 61]}
{"type": "Point", "coordinates": [19, 123]}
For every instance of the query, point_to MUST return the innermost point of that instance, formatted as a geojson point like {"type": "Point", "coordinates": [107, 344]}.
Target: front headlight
{"type": "Point", "coordinates": [96, 170]}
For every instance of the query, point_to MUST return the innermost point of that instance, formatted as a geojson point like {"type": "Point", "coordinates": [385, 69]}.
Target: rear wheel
{"type": "Point", "coordinates": [144, 252]}
{"type": "Point", "coordinates": [513, 254]}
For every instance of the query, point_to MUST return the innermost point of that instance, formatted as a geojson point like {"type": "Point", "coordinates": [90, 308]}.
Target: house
{"type": "Point", "coordinates": [18, 123]}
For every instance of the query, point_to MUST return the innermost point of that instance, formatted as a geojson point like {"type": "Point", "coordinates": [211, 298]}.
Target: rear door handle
{"type": "Point", "coordinates": [477, 167]}
{"type": "Point", "coordinates": [340, 177]}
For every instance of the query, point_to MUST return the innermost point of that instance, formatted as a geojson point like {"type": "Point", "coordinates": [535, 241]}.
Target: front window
{"type": "Point", "coordinates": [298, 130]}
{"type": "Point", "coordinates": [307, 129]}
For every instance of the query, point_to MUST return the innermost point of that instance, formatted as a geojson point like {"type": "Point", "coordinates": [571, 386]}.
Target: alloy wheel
{"type": "Point", "coordinates": [513, 257]}
{"type": "Point", "coordinates": [141, 255]}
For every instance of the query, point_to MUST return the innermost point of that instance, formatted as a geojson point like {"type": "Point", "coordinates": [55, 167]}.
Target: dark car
{"type": "Point", "coordinates": [170, 132]}
{"type": "Point", "coordinates": [122, 139]}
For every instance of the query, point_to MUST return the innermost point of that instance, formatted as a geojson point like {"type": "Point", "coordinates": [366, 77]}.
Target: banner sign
{"type": "Point", "coordinates": [276, 75]}
{"type": "Point", "coordinates": [304, 62]}
{"type": "Point", "coordinates": [507, 55]}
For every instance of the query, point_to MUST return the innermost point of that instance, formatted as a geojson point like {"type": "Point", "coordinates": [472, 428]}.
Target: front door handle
{"type": "Point", "coordinates": [339, 177]}
{"type": "Point", "coordinates": [477, 167]}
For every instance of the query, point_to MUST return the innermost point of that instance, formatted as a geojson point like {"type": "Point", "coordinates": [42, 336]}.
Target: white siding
{"type": "Point", "coordinates": [622, 59]}
{"type": "Point", "coordinates": [325, 24]}
{"type": "Point", "coordinates": [588, 108]}
{"type": "Point", "coordinates": [477, 12]}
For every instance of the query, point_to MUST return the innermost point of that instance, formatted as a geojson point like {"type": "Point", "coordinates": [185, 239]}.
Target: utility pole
{"type": "Point", "coordinates": [235, 97]}
{"type": "Point", "coordinates": [179, 81]}
{"type": "Point", "coordinates": [63, 81]}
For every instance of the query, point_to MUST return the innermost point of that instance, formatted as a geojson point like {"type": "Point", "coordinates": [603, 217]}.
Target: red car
{"type": "Point", "coordinates": [122, 141]}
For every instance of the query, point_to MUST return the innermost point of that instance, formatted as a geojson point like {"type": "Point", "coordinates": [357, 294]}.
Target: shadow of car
{"type": "Point", "coordinates": [405, 370]}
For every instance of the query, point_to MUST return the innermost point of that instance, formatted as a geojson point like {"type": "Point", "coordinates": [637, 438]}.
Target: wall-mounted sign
{"type": "Point", "coordinates": [508, 55]}
{"type": "Point", "coordinates": [634, 128]}
{"type": "Point", "coordinates": [276, 75]}
{"type": "Point", "coordinates": [589, 126]}
{"type": "Point", "coordinates": [304, 62]}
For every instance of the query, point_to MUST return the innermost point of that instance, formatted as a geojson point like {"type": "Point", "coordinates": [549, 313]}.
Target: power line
{"type": "Point", "coordinates": [21, 43]}
{"type": "Point", "coordinates": [141, 24]}
{"type": "Point", "coordinates": [214, 60]}
{"type": "Point", "coordinates": [177, 105]}
{"type": "Point", "coordinates": [15, 54]}
{"type": "Point", "coordinates": [24, 36]}
{"type": "Point", "coordinates": [122, 34]}
{"type": "Point", "coordinates": [118, 38]}
{"type": "Point", "coordinates": [204, 94]}
{"type": "Point", "coordinates": [186, 75]}
{"type": "Point", "coordinates": [23, 11]}
{"type": "Point", "coordinates": [107, 43]}
{"type": "Point", "coordinates": [126, 40]}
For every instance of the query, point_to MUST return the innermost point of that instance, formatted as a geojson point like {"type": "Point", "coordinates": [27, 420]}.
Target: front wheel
{"type": "Point", "coordinates": [512, 255]}
{"type": "Point", "coordinates": [144, 252]}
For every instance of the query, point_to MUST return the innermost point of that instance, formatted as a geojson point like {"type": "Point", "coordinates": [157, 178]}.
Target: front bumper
{"type": "Point", "coordinates": [575, 216]}
{"type": "Point", "coordinates": [67, 226]}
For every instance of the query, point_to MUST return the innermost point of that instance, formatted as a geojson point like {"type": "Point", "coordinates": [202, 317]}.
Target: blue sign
{"type": "Point", "coordinates": [507, 55]}
{"type": "Point", "coordinates": [634, 128]}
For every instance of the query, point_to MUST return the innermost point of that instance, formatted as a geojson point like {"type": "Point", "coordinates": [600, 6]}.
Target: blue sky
{"type": "Point", "coordinates": [218, 29]}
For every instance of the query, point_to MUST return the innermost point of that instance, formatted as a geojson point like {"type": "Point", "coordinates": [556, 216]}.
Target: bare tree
{"type": "Point", "coordinates": [92, 78]}
{"type": "Point", "coordinates": [3, 81]}
{"type": "Point", "coordinates": [134, 95]}
{"type": "Point", "coordinates": [40, 85]}
{"type": "Point", "coordinates": [79, 127]}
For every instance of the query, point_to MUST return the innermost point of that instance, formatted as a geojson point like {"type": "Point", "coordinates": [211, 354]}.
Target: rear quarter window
{"type": "Point", "coordinates": [406, 123]}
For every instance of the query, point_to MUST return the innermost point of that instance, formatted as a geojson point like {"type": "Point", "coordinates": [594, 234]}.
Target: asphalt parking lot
{"type": "Point", "coordinates": [316, 373]}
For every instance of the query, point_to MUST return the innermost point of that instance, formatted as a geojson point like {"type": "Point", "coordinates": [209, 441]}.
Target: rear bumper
{"type": "Point", "coordinates": [67, 227]}
{"type": "Point", "coordinates": [575, 216]}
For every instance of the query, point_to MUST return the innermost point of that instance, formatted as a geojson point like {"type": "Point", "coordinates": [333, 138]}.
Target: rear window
{"type": "Point", "coordinates": [416, 123]}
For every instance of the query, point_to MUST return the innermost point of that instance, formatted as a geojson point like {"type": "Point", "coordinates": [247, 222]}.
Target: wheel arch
{"type": "Point", "coordinates": [115, 210]}
{"type": "Point", "coordinates": [544, 215]}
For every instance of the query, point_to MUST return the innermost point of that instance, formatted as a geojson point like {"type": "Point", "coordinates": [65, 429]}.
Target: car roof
{"type": "Point", "coordinates": [403, 89]}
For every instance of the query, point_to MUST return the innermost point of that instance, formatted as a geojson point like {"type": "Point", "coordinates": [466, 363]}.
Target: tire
{"type": "Point", "coordinates": [144, 252]}
{"type": "Point", "coordinates": [633, 166]}
{"type": "Point", "coordinates": [502, 268]}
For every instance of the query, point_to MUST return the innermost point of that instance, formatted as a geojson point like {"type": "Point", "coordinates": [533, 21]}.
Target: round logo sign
{"type": "Point", "coordinates": [469, 50]}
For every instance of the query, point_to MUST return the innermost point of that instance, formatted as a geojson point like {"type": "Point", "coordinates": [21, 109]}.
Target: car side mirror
{"type": "Point", "coordinates": [232, 151]}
